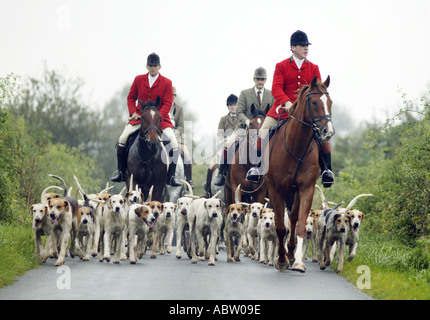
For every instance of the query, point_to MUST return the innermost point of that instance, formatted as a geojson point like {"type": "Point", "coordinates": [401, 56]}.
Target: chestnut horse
{"type": "Point", "coordinates": [147, 159]}
{"type": "Point", "coordinates": [243, 158]}
{"type": "Point", "coordinates": [293, 167]}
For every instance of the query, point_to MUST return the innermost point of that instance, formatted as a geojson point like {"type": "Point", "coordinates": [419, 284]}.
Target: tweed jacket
{"type": "Point", "coordinates": [226, 126]}
{"type": "Point", "coordinates": [247, 98]}
{"type": "Point", "coordinates": [177, 119]}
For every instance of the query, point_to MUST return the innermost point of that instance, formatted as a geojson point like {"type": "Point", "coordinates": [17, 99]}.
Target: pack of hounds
{"type": "Point", "coordinates": [123, 227]}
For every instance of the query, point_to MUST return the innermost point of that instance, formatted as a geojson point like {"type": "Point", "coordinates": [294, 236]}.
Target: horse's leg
{"type": "Point", "coordinates": [278, 207]}
{"type": "Point", "coordinates": [306, 197]}
{"type": "Point", "coordinates": [293, 221]}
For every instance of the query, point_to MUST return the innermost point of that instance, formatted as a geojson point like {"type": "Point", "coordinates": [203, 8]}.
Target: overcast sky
{"type": "Point", "coordinates": [210, 49]}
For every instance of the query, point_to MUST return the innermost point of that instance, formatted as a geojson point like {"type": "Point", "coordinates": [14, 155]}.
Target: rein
{"type": "Point", "coordinates": [142, 136]}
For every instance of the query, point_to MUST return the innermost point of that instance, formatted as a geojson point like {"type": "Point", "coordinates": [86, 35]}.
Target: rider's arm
{"type": "Point", "coordinates": [279, 85]}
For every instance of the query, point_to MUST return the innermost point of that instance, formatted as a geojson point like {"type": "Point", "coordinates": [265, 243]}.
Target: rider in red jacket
{"type": "Point", "coordinates": [290, 75]}
{"type": "Point", "coordinates": [148, 87]}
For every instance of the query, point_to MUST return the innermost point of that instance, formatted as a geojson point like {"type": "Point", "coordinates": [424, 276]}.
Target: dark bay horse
{"type": "Point", "coordinates": [147, 160]}
{"type": "Point", "coordinates": [243, 160]}
{"type": "Point", "coordinates": [293, 167]}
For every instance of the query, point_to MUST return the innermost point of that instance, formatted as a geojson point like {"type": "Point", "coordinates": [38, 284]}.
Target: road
{"type": "Point", "coordinates": [167, 278]}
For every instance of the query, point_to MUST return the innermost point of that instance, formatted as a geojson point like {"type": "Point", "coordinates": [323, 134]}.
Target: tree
{"type": "Point", "coordinates": [54, 104]}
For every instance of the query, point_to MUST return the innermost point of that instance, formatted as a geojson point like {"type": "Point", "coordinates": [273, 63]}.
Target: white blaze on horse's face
{"type": "Point", "coordinates": [152, 113]}
{"type": "Point", "coordinates": [328, 131]}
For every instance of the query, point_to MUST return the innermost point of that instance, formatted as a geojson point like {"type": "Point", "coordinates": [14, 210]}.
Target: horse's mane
{"type": "Point", "coordinates": [303, 92]}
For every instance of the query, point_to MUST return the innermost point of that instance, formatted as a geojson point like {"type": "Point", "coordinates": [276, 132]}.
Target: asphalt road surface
{"type": "Point", "coordinates": [167, 278]}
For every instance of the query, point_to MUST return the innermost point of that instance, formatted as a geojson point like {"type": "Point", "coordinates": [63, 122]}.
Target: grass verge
{"type": "Point", "coordinates": [16, 252]}
{"type": "Point", "coordinates": [396, 271]}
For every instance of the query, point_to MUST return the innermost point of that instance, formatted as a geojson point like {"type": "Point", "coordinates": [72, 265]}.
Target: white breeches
{"type": "Point", "coordinates": [129, 129]}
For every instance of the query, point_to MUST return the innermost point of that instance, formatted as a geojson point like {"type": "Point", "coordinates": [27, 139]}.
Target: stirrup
{"type": "Point", "coordinates": [253, 175]}
{"type": "Point", "coordinates": [117, 176]}
{"type": "Point", "coordinates": [327, 178]}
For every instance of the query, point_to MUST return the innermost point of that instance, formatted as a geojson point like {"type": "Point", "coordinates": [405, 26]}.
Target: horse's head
{"type": "Point", "coordinates": [318, 104]}
{"type": "Point", "coordinates": [151, 119]}
{"type": "Point", "coordinates": [257, 118]}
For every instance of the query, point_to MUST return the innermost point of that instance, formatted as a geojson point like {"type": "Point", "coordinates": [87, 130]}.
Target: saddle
{"type": "Point", "coordinates": [275, 128]}
{"type": "Point", "coordinates": [133, 137]}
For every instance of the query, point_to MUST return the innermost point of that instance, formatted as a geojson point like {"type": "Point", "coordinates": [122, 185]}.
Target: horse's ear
{"type": "Point", "coordinates": [314, 81]}
{"type": "Point", "coordinates": [267, 108]}
{"type": "Point", "coordinates": [140, 102]}
{"type": "Point", "coordinates": [252, 109]}
{"type": "Point", "coordinates": [157, 101]}
{"type": "Point", "coordinates": [327, 81]}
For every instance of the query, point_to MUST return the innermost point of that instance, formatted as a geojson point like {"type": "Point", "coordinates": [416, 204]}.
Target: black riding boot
{"type": "Point", "coordinates": [119, 175]}
{"type": "Point", "coordinates": [327, 177]}
{"type": "Point", "coordinates": [172, 180]}
{"type": "Point", "coordinates": [208, 183]}
{"type": "Point", "coordinates": [222, 170]}
{"type": "Point", "coordinates": [188, 170]}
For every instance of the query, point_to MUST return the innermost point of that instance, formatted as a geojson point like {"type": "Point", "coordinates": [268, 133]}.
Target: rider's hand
{"type": "Point", "coordinates": [247, 123]}
{"type": "Point", "coordinates": [287, 106]}
{"type": "Point", "coordinates": [134, 117]}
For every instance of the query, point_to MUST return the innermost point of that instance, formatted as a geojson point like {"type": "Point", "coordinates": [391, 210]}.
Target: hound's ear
{"type": "Point", "coordinates": [336, 216]}
{"type": "Point", "coordinates": [361, 216]}
{"type": "Point", "coordinates": [312, 214]}
{"type": "Point", "coordinates": [31, 210]}
{"type": "Point", "coordinates": [221, 204]}
{"type": "Point", "coordinates": [314, 81]}
{"type": "Point", "coordinates": [327, 81]}
{"type": "Point", "coordinates": [49, 203]}
{"type": "Point", "coordinates": [46, 211]}
{"type": "Point", "coordinates": [138, 211]}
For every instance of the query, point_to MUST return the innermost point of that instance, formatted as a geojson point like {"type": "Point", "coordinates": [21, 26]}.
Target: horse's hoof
{"type": "Point", "coordinates": [299, 267]}
{"type": "Point", "coordinates": [282, 266]}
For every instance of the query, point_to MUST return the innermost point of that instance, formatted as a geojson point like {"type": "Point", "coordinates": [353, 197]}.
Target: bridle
{"type": "Point", "coordinates": [145, 131]}
{"type": "Point", "coordinates": [316, 129]}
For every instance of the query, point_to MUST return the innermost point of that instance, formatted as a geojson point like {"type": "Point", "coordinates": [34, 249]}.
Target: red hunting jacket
{"type": "Point", "coordinates": [287, 80]}
{"type": "Point", "coordinates": [162, 87]}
